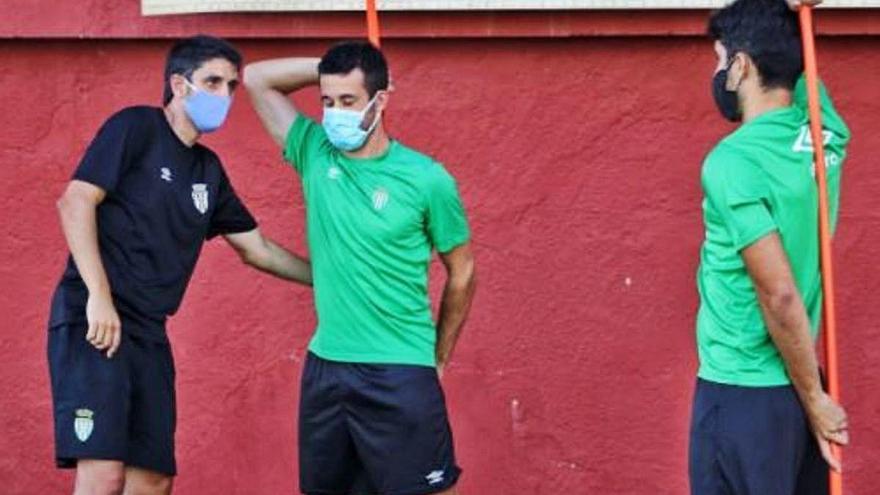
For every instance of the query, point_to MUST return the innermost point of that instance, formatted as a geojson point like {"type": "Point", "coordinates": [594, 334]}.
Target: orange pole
{"type": "Point", "coordinates": [830, 317]}
{"type": "Point", "coordinates": [373, 23]}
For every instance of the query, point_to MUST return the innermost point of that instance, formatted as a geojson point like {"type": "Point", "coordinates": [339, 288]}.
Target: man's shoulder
{"type": "Point", "coordinates": [137, 115]}
{"type": "Point", "coordinates": [423, 164]}
{"type": "Point", "coordinates": [730, 162]}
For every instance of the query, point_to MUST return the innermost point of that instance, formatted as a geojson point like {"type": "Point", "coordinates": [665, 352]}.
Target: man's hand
{"type": "Point", "coordinates": [796, 4]}
{"type": "Point", "coordinates": [828, 422]}
{"type": "Point", "coordinates": [105, 329]}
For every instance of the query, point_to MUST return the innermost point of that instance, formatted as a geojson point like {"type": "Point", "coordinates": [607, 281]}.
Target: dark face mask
{"type": "Point", "coordinates": [726, 101]}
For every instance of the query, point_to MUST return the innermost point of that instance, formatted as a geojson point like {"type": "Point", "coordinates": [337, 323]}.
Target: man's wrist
{"type": "Point", "coordinates": [100, 291]}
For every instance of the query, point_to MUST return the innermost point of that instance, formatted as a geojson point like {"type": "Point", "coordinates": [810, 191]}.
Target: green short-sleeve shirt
{"type": "Point", "coordinates": [758, 180]}
{"type": "Point", "coordinates": [372, 226]}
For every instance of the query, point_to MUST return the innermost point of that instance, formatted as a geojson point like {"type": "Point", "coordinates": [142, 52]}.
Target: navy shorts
{"type": "Point", "coordinates": [120, 409]}
{"type": "Point", "coordinates": [368, 429]}
{"type": "Point", "coordinates": [753, 441]}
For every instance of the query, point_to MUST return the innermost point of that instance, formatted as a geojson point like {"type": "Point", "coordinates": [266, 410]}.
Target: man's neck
{"type": "Point", "coordinates": [181, 125]}
{"type": "Point", "coordinates": [377, 144]}
{"type": "Point", "coordinates": [765, 101]}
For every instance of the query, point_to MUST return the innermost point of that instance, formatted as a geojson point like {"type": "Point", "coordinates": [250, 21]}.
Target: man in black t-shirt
{"type": "Point", "coordinates": [141, 203]}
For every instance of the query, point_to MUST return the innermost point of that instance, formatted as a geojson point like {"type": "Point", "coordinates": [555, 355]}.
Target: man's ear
{"type": "Point", "coordinates": [739, 71]}
{"type": "Point", "coordinates": [382, 99]}
{"type": "Point", "coordinates": [179, 88]}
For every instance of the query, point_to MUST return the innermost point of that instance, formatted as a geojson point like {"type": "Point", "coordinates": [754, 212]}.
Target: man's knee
{"type": "Point", "coordinates": [144, 482]}
{"type": "Point", "coordinates": [99, 478]}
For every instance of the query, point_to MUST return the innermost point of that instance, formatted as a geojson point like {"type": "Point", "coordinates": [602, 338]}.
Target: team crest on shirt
{"type": "Point", "coordinates": [83, 424]}
{"type": "Point", "coordinates": [380, 199]}
{"type": "Point", "coordinates": [200, 197]}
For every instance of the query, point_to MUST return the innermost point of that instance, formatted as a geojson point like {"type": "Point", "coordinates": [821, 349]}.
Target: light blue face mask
{"type": "Point", "coordinates": [343, 127]}
{"type": "Point", "coordinates": [206, 110]}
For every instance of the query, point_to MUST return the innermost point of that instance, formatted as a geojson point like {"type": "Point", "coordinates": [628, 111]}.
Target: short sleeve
{"type": "Point", "coordinates": [738, 193]}
{"type": "Point", "coordinates": [108, 155]}
{"type": "Point", "coordinates": [304, 140]}
{"type": "Point", "coordinates": [230, 216]}
{"type": "Point", "coordinates": [446, 220]}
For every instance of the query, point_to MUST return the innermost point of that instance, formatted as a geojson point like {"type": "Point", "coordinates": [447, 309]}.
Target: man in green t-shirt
{"type": "Point", "coordinates": [761, 422]}
{"type": "Point", "coordinates": [372, 412]}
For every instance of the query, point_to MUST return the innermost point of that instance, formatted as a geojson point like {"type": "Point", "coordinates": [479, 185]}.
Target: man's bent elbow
{"type": "Point", "coordinates": [251, 77]}
{"type": "Point", "coordinates": [464, 277]}
{"type": "Point", "coordinates": [67, 204]}
{"type": "Point", "coordinates": [782, 300]}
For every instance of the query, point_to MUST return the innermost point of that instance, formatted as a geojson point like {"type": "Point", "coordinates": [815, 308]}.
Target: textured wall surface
{"type": "Point", "coordinates": [579, 164]}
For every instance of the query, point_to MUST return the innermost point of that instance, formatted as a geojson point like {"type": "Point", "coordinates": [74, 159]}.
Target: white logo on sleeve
{"type": "Point", "coordinates": [333, 173]}
{"type": "Point", "coordinates": [83, 424]}
{"type": "Point", "coordinates": [200, 197]}
{"type": "Point", "coordinates": [166, 174]}
{"type": "Point", "coordinates": [804, 141]}
{"type": "Point", "coordinates": [435, 477]}
{"type": "Point", "coordinates": [380, 199]}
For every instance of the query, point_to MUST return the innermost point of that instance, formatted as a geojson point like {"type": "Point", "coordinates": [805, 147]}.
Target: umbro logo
{"type": "Point", "coordinates": [804, 141]}
{"type": "Point", "coordinates": [435, 477]}
{"type": "Point", "coordinates": [165, 174]}
{"type": "Point", "coordinates": [333, 173]}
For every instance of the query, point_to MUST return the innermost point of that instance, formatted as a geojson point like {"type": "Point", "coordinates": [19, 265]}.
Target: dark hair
{"type": "Point", "coordinates": [768, 32]}
{"type": "Point", "coordinates": [187, 55]}
{"type": "Point", "coordinates": [350, 55]}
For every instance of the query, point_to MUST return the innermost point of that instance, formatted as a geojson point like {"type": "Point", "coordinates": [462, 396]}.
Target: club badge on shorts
{"type": "Point", "coordinates": [200, 197]}
{"type": "Point", "coordinates": [83, 424]}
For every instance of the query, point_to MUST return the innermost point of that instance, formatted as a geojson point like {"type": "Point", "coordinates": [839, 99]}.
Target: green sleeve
{"type": "Point", "coordinates": [446, 220]}
{"type": "Point", "coordinates": [836, 143]}
{"type": "Point", "coordinates": [831, 120]}
{"type": "Point", "coordinates": [736, 190]}
{"type": "Point", "coordinates": [305, 139]}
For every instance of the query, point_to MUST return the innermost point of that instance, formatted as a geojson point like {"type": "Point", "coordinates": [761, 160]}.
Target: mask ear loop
{"type": "Point", "coordinates": [730, 66]}
{"type": "Point", "coordinates": [367, 109]}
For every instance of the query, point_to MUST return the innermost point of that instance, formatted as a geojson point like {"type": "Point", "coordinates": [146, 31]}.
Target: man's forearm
{"type": "Point", "coordinates": [789, 327]}
{"type": "Point", "coordinates": [284, 75]}
{"type": "Point", "coordinates": [284, 264]}
{"type": "Point", "coordinates": [269, 82]}
{"type": "Point", "coordinates": [454, 308]}
{"type": "Point", "coordinates": [78, 221]}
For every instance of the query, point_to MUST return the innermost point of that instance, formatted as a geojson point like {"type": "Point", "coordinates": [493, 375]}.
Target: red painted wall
{"type": "Point", "coordinates": [578, 160]}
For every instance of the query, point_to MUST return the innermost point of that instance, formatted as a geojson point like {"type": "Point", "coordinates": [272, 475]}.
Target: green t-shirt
{"type": "Point", "coordinates": [372, 225]}
{"type": "Point", "coordinates": [758, 180]}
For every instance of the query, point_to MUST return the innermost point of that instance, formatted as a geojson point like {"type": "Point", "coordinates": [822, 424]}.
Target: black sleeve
{"type": "Point", "coordinates": [108, 155]}
{"type": "Point", "coordinates": [230, 216]}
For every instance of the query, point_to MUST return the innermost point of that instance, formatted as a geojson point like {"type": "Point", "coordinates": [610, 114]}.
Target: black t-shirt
{"type": "Point", "coordinates": [163, 200]}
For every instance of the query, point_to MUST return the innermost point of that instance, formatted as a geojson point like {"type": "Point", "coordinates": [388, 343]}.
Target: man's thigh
{"type": "Point", "coordinates": [398, 422]}
{"type": "Point", "coordinates": [91, 398]}
{"type": "Point", "coordinates": [747, 440]}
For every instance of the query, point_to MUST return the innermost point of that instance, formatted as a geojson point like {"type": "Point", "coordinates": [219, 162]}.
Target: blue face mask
{"type": "Point", "coordinates": [207, 111]}
{"type": "Point", "coordinates": [343, 127]}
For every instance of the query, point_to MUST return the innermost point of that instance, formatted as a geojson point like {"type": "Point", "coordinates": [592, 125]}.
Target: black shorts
{"type": "Point", "coordinates": [368, 428]}
{"type": "Point", "coordinates": [753, 441]}
{"type": "Point", "coordinates": [120, 409]}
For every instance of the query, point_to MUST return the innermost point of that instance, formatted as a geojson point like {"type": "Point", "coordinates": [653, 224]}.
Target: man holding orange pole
{"type": "Point", "coordinates": [761, 422]}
